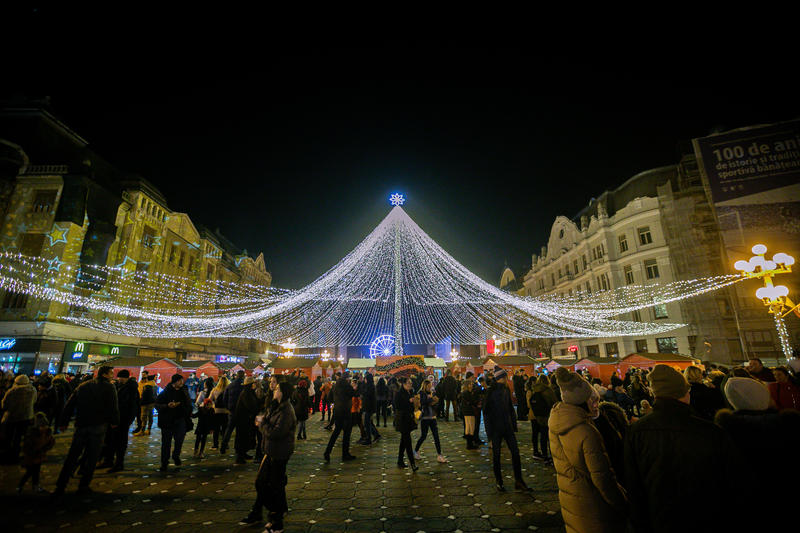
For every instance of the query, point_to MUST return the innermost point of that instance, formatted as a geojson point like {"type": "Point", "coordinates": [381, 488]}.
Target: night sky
{"type": "Point", "coordinates": [295, 151]}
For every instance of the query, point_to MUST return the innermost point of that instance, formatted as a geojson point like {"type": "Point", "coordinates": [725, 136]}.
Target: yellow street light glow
{"type": "Point", "coordinates": [759, 249]}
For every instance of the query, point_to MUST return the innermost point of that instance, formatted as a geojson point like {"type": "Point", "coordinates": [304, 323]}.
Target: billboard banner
{"type": "Point", "coordinates": [752, 176]}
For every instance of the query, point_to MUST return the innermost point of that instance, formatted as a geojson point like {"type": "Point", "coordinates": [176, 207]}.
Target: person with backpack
{"type": "Point", "coordinates": [147, 403]}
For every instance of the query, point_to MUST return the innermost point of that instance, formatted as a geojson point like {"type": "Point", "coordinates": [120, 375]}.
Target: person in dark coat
{"type": "Point", "coordinates": [381, 401]}
{"type": "Point", "coordinates": [450, 389]}
{"type": "Point", "coordinates": [343, 394]}
{"type": "Point", "coordinates": [62, 393]}
{"type": "Point", "coordinates": [674, 460]}
{"type": "Point", "coordinates": [174, 419]}
{"type": "Point", "coordinates": [244, 416]}
{"type": "Point", "coordinates": [705, 400]}
{"type": "Point", "coordinates": [519, 393]}
{"type": "Point", "coordinates": [317, 395]}
{"type": "Point", "coordinates": [368, 408]}
{"type": "Point", "coordinates": [300, 402]}
{"type": "Point", "coordinates": [38, 441]}
{"type": "Point", "coordinates": [469, 407]}
{"type": "Point", "coordinates": [404, 421]}
{"type": "Point", "coordinates": [94, 403]}
{"type": "Point", "coordinates": [277, 429]}
{"type": "Point", "coordinates": [613, 426]}
{"type": "Point", "coordinates": [759, 371]}
{"type": "Point", "coordinates": [117, 438]}
{"type": "Point", "coordinates": [46, 398]}
{"type": "Point", "coordinates": [229, 399]}
{"type": "Point", "coordinates": [500, 421]}
{"type": "Point", "coordinates": [760, 432]}
{"type": "Point", "coordinates": [205, 425]}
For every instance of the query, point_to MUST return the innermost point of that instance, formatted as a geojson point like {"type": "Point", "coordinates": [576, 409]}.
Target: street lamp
{"type": "Point", "coordinates": [775, 297]}
{"type": "Point", "coordinates": [325, 355]}
{"type": "Point", "coordinates": [453, 354]}
{"type": "Point", "coordinates": [289, 346]}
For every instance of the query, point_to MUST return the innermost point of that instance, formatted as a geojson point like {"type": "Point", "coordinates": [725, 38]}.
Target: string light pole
{"type": "Point", "coordinates": [398, 200]}
{"type": "Point", "coordinates": [774, 297]}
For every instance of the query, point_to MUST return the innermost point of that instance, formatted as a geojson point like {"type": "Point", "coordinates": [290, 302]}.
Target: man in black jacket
{"type": "Point", "coordinates": [501, 424]}
{"type": "Point", "coordinates": [674, 460]}
{"type": "Point", "coordinates": [343, 400]}
{"type": "Point", "coordinates": [117, 437]}
{"type": "Point", "coordinates": [230, 398]}
{"type": "Point", "coordinates": [174, 419]}
{"type": "Point", "coordinates": [450, 387]}
{"type": "Point", "coordinates": [519, 393]}
{"type": "Point", "coordinates": [95, 405]}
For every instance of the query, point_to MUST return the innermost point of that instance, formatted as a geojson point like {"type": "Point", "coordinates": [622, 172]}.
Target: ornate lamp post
{"type": "Point", "coordinates": [289, 346]}
{"type": "Point", "coordinates": [453, 354]}
{"type": "Point", "coordinates": [774, 297]}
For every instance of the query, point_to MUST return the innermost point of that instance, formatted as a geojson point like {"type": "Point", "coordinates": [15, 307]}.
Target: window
{"type": "Point", "coordinates": [641, 345]}
{"type": "Point", "coordinates": [148, 237]}
{"type": "Point", "coordinates": [563, 351]}
{"type": "Point", "coordinates": [759, 338]}
{"type": "Point", "coordinates": [660, 311]}
{"type": "Point", "coordinates": [593, 350]}
{"type": "Point", "coordinates": [552, 278]}
{"type": "Point", "coordinates": [636, 315]}
{"type": "Point", "coordinates": [31, 244]}
{"type": "Point", "coordinates": [588, 288]}
{"type": "Point", "coordinates": [623, 243]}
{"type": "Point", "coordinates": [541, 283]}
{"type": "Point", "coordinates": [15, 300]}
{"type": "Point", "coordinates": [667, 345]}
{"type": "Point", "coordinates": [575, 265]}
{"type": "Point", "coordinates": [611, 349]}
{"type": "Point", "coordinates": [181, 259]}
{"type": "Point", "coordinates": [583, 257]}
{"type": "Point", "coordinates": [644, 235]}
{"type": "Point", "coordinates": [44, 201]}
{"type": "Point", "coordinates": [628, 275]}
{"type": "Point", "coordinates": [559, 273]}
{"type": "Point", "coordinates": [651, 267]}
{"type": "Point", "coordinates": [210, 271]}
{"type": "Point", "coordinates": [724, 307]}
{"type": "Point", "coordinates": [602, 282]}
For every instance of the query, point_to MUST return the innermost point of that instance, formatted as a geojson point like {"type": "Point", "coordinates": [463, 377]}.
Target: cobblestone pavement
{"type": "Point", "coordinates": [370, 494]}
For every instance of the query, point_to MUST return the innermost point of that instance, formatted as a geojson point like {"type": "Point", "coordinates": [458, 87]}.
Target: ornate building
{"type": "Point", "coordinates": [657, 227]}
{"type": "Point", "coordinates": [67, 204]}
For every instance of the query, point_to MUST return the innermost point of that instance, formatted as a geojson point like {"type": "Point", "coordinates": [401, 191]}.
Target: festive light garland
{"type": "Point", "coordinates": [396, 280]}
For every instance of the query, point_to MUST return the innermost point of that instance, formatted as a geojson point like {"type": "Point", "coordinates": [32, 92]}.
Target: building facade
{"type": "Point", "coordinates": [69, 206]}
{"type": "Point", "coordinates": [655, 228]}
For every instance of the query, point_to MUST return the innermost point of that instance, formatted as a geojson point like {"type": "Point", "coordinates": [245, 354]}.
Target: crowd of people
{"type": "Point", "coordinates": [648, 450]}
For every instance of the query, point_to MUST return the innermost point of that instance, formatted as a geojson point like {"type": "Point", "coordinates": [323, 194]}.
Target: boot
{"type": "Point", "coordinates": [118, 466]}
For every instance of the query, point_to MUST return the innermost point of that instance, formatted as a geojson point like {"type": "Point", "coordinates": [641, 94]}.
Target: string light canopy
{"type": "Point", "coordinates": [396, 281]}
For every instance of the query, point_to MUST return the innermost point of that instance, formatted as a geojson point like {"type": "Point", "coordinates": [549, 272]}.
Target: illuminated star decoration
{"type": "Point", "coordinates": [125, 269]}
{"type": "Point", "coordinates": [40, 318]}
{"type": "Point", "coordinates": [57, 235]}
{"type": "Point", "coordinates": [54, 264]}
{"type": "Point", "coordinates": [397, 199]}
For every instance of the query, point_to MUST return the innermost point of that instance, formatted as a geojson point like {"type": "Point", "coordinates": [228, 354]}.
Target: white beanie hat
{"type": "Point", "coordinates": [747, 394]}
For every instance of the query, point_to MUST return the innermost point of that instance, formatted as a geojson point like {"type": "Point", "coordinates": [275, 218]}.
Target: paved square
{"type": "Point", "coordinates": [370, 494]}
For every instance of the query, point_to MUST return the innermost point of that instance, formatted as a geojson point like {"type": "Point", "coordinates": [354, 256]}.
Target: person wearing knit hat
{"type": "Point", "coordinates": [594, 500]}
{"type": "Point", "coordinates": [574, 389]}
{"type": "Point", "coordinates": [666, 382]}
{"type": "Point", "coordinates": [746, 394]}
{"type": "Point", "coordinates": [500, 422]}
{"type": "Point", "coordinates": [668, 454]}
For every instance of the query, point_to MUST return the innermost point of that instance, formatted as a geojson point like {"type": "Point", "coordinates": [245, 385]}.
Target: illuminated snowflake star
{"type": "Point", "coordinates": [397, 199]}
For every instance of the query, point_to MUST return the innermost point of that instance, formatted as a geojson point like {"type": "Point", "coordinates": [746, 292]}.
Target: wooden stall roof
{"type": "Point", "coordinates": [360, 363]}
{"type": "Point", "coordinates": [127, 361]}
{"type": "Point", "coordinates": [435, 362]}
{"type": "Point", "coordinates": [599, 360]}
{"type": "Point", "coordinates": [514, 360]}
{"type": "Point", "coordinates": [663, 357]}
{"type": "Point", "coordinates": [293, 362]}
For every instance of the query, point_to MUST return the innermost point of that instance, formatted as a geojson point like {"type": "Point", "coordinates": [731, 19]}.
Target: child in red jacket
{"type": "Point", "coordinates": [38, 440]}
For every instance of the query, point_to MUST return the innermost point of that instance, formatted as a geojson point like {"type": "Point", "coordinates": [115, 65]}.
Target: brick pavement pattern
{"type": "Point", "coordinates": [370, 494]}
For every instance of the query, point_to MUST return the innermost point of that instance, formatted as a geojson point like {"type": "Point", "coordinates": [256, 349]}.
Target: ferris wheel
{"type": "Point", "coordinates": [382, 346]}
